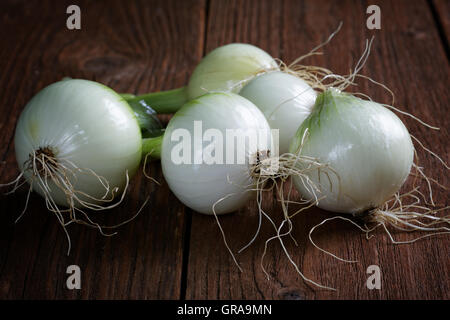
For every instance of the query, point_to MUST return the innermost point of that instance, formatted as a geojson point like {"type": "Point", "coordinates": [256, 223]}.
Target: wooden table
{"type": "Point", "coordinates": [170, 252]}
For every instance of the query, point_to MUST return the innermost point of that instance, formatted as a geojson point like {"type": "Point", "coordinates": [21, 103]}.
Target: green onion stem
{"type": "Point", "coordinates": [152, 146]}
{"type": "Point", "coordinates": [162, 102]}
{"type": "Point", "coordinates": [146, 107]}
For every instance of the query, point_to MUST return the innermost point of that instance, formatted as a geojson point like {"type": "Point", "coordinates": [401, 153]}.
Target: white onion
{"type": "Point", "coordinates": [366, 145]}
{"type": "Point", "coordinates": [82, 124]}
{"type": "Point", "coordinates": [285, 100]}
{"type": "Point", "coordinates": [201, 186]}
{"type": "Point", "coordinates": [228, 68]}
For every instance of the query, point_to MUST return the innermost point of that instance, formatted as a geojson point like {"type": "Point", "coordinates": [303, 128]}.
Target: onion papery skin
{"type": "Point", "coordinates": [87, 124]}
{"type": "Point", "coordinates": [200, 186]}
{"type": "Point", "coordinates": [366, 144]}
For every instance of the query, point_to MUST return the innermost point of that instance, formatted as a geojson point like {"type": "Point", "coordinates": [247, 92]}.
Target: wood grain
{"type": "Point", "coordinates": [136, 47]}
{"type": "Point", "coordinates": [442, 9]}
{"type": "Point", "coordinates": [170, 252]}
{"type": "Point", "coordinates": [419, 77]}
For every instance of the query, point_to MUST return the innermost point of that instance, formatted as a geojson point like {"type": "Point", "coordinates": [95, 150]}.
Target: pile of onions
{"type": "Point", "coordinates": [78, 142]}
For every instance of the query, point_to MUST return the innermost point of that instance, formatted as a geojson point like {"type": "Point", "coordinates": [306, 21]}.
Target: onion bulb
{"type": "Point", "coordinates": [77, 142]}
{"type": "Point", "coordinates": [285, 100]}
{"type": "Point", "coordinates": [211, 179]}
{"type": "Point", "coordinates": [366, 150]}
{"type": "Point", "coordinates": [228, 68]}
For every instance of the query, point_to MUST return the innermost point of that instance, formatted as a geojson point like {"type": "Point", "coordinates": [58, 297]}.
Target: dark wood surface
{"type": "Point", "coordinates": [170, 252]}
{"type": "Point", "coordinates": [441, 8]}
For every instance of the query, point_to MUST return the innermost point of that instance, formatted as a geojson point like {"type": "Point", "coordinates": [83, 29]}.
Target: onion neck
{"type": "Point", "coordinates": [152, 147]}
{"type": "Point", "coordinates": [146, 107]}
{"type": "Point", "coordinates": [169, 101]}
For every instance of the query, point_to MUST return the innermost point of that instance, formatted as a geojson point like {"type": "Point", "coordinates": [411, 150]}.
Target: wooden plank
{"type": "Point", "coordinates": [442, 8]}
{"type": "Point", "coordinates": [211, 272]}
{"type": "Point", "coordinates": [401, 59]}
{"type": "Point", "coordinates": [137, 47]}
